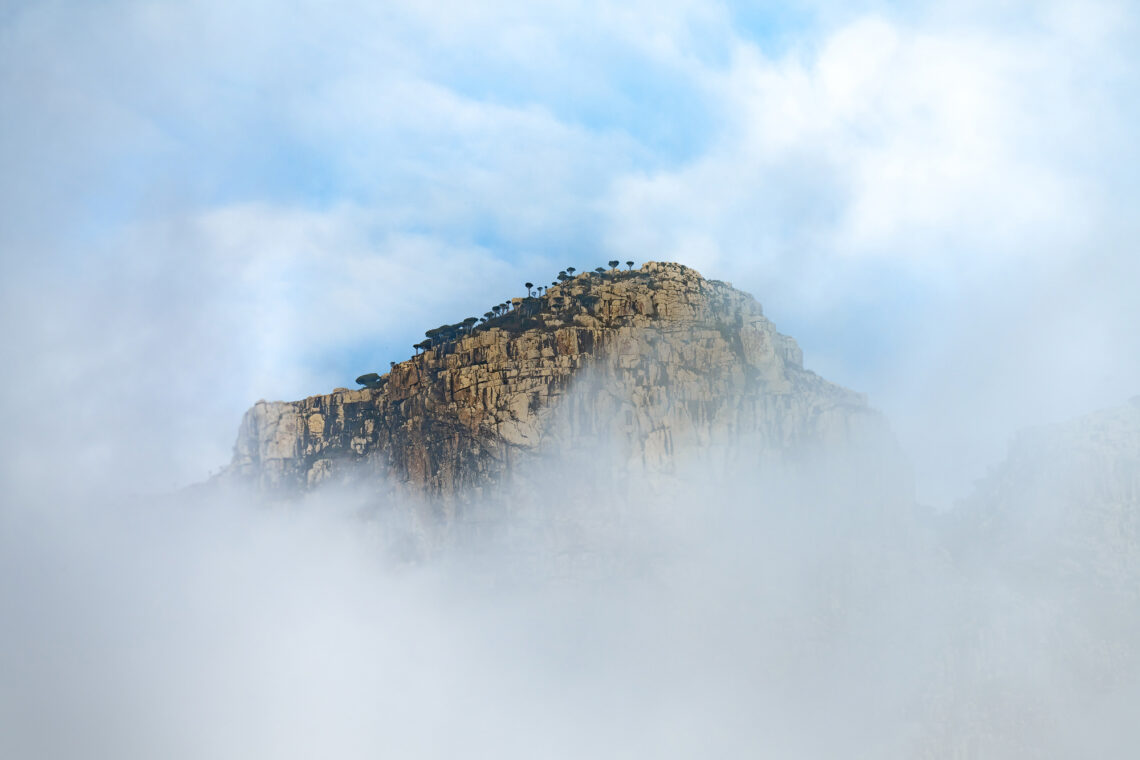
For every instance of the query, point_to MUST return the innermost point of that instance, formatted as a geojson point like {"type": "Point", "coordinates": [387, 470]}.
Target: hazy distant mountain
{"type": "Point", "coordinates": [1064, 504]}
{"type": "Point", "coordinates": [1043, 601]}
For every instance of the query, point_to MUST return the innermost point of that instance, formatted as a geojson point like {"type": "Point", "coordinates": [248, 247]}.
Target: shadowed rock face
{"type": "Point", "coordinates": [660, 364]}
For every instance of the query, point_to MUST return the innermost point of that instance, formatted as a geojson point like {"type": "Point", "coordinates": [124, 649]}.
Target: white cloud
{"type": "Point", "coordinates": [918, 193]}
{"type": "Point", "coordinates": [924, 144]}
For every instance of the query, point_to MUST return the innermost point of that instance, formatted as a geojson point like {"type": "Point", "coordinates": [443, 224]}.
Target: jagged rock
{"type": "Point", "coordinates": [660, 362]}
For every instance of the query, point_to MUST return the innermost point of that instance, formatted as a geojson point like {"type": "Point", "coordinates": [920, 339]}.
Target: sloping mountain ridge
{"type": "Point", "coordinates": [660, 362]}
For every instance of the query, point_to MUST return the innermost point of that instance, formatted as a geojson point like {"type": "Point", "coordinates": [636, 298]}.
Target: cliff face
{"type": "Point", "coordinates": [659, 363]}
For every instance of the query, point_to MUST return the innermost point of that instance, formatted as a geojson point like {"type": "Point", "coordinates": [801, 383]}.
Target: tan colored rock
{"type": "Point", "coordinates": [659, 361]}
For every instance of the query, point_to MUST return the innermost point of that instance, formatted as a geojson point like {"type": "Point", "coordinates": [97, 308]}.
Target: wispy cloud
{"type": "Point", "coordinates": [931, 202]}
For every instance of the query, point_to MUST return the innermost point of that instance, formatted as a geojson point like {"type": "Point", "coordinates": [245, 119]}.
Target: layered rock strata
{"type": "Point", "coordinates": [658, 364]}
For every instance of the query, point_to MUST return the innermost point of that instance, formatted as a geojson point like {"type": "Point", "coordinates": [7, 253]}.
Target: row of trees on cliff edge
{"type": "Point", "coordinates": [445, 334]}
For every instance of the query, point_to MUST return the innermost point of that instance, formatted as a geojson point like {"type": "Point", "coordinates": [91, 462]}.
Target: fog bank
{"type": "Point", "coordinates": [694, 614]}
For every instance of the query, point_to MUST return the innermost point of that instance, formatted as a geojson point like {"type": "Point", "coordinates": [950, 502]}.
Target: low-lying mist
{"type": "Point", "coordinates": [708, 612]}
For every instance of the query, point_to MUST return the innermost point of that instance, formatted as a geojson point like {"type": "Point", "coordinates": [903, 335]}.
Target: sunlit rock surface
{"type": "Point", "coordinates": [657, 365]}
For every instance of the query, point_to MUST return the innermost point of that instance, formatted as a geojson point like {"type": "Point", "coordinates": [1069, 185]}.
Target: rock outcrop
{"type": "Point", "coordinates": [659, 364]}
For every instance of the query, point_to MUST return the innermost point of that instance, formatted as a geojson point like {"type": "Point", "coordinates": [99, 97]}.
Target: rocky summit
{"type": "Point", "coordinates": [658, 365]}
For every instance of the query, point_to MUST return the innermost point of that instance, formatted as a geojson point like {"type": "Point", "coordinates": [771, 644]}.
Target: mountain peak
{"type": "Point", "coordinates": [658, 362]}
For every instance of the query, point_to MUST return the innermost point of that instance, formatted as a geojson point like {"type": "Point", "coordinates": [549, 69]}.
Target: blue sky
{"type": "Point", "coordinates": [205, 203]}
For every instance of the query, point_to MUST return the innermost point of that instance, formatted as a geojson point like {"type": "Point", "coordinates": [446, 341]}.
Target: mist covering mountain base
{"type": "Point", "coordinates": [708, 611]}
{"type": "Point", "coordinates": [662, 541]}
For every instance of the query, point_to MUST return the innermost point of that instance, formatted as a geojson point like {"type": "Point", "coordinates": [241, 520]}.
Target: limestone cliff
{"type": "Point", "coordinates": [658, 363]}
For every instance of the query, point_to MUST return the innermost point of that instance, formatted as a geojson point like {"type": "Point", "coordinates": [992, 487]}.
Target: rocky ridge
{"type": "Point", "coordinates": [658, 362]}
